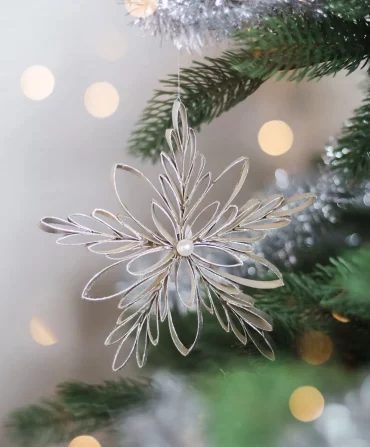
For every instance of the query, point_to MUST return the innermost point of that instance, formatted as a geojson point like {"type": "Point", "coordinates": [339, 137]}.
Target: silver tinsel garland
{"type": "Point", "coordinates": [175, 417]}
{"type": "Point", "coordinates": [192, 24]}
{"type": "Point", "coordinates": [314, 226]}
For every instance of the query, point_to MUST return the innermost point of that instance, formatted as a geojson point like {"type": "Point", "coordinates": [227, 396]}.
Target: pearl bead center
{"type": "Point", "coordinates": [185, 247]}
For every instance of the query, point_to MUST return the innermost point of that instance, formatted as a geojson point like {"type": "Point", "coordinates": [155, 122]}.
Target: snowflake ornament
{"type": "Point", "coordinates": [204, 257]}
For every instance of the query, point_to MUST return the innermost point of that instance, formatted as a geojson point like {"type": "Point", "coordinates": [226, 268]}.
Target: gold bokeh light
{"type": "Point", "coordinates": [84, 441]}
{"type": "Point", "coordinates": [41, 333]}
{"type": "Point", "coordinates": [306, 403]}
{"type": "Point", "coordinates": [340, 317]}
{"type": "Point", "coordinates": [315, 347]}
{"type": "Point", "coordinates": [275, 137]}
{"type": "Point", "coordinates": [141, 8]}
{"type": "Point", "coordinates": [37, 82]}
{"type": "Point", "coordinates": [101, 99]}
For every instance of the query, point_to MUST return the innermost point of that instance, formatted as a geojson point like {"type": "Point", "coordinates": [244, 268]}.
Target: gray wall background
{"type": "Point", "coordinates": [55, 160]}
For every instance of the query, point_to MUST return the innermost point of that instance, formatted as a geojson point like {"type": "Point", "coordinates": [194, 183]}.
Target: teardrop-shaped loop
{"type": "Point", "coordinates": [205, 296]}
{"type": "Point", "coordinates": [256, 284]}
{"type": "Point", "coordinates": [189, 157]}
{"type": "Point", "coordinates": [185, 279]}
{"type": "Point", "coordinates": [114, 247]}
{"type": "Point", "coordinates": [242, 236]}
{"type": "Point", "coordinates": [266, 224]}
{"type": "Point", "coordinates": [127, 255]}
{"type": "Point", "coordinates": [172, 174]}
{"type": "Point", "coordinates": [217, 280]}
{"type": "Point", "coordinates": [163, 299]}
{"type": "Point", "coordinates": [98, 281]}
{"type": "Point", "coordinates": [243, 164]}
{"type": "Point", "coordinates": [249, 207]}
{"type": "Point", "coordinates": [174, 143]}
{"type": "Point", "coordinates": [153, 322]}
{"type": "Point", "coordinates": [200, 192]}
{"type": "Point", "coordinates": [236, 247]}
{"type": "Point", "coordinates": [111, 221]}
{"type": "Point", "coordinates": [144, 288]}
{"type": "Point", "coordinates": [180, 123]}
{"type": "Point", "coordinates": [217, 227]}
{"type": "Point", "coordinates": [237, 326]}
{"type": "Point", "coordinates": [126, 328]}
{"type": "Point", "coordinates": [175, 338]}
{"type": "Point", "coordinates": [203, 218]}
{"type": "Point", "coordinates": [135, 266]}
{"type": "Point", "coordinates": [220, 310]}
{"type": "Point", "coordinates": [266, 207]}
{"type": "Point", "coordinates": [127, 342]}
{"type": "Point", "coordinates": [110, 275]}
{"type": "Point", "coordinates": [171, 197]}
{"type": "Point", "coordinates": [142, 343]}
{"type": "Point", "coordinates": [165, 223]}
{"type": "Point", "coordinates": [135, 301]}
{"type": "Point", "coordinates": [209, 255]}
{"type": "Point", "coordinates": [143, 230]}
{"type": "Point", "coordinates": [241, 300]}
{"type": "Point", "coordinates": [262, 342]}
{"type": "Point", "coordinates": [245, 211]}
{"type": "Point", "coordinates": [194, 177]}
{"type": "Point", "coordinates": [90, 224]}
{"type": "Point", "coordinates": [285, 210]}
{"type": "Point", "coordinates": [86, 239]}
{"type": "Point", "coordinates": [57, 225]}
{"type": "Point", "coordinates": [254, 317]}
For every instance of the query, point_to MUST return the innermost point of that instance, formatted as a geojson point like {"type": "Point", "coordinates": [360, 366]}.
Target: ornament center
{"type": "Point", "coordinates": [185, 247]}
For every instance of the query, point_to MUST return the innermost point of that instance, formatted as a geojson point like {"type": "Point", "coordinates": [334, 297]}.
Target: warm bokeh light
{"type": "Point", "coordinates": [275, 137]}
{"type": "Point", "coordinates": [306, 403]}
{"type": "Point", "coordinates": [315, 347]}
{"type": "Point", "coordinates": [84, 441]}
{"type": "Point", "coordinates": [101, 99]}
{"type": "Point", "coordinates": [41, 333]}
{"type": "Point", "coordinates": [37, 82]}
{"type": "Point", "coordinates": [341, 318]}
{"type": "Point", "coordinates": [112, 45]}
{"type": "Point", "coordinates": [141, 8]}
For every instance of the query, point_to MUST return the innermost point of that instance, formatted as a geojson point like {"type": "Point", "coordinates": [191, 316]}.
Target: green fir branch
{"type": "Point", "coordinates": [207, 89]}
{"type": "Point", "coordinates": [77, 409]}
{"type": "Point", "coordinates": [305, 303]}
{"type": "Point", "coordinates": [348, 9]}
{"type": "Point", "coordinates": [350, 155]}
{"type": "Point", "coordinates": [297, 47]}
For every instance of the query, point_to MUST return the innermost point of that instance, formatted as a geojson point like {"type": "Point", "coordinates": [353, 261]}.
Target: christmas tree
{"type": "Point", "coordinates": [224, 393]}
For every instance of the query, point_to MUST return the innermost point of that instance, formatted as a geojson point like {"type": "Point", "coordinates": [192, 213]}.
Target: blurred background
{"type": "Point", "coordinates": [75, 77]}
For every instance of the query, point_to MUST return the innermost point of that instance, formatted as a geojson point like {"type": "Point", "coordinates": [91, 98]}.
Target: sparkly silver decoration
{"type": "Point", "coordinates": [313, 226]}
{"type": "Point", "coordinates": [344, 423]}
{"type": "Point", "coordinates": [193, 24]}
{"type": "Point", "coordinates": [183, 249]}
{"type": "Point", "coordinates": [176, 416]}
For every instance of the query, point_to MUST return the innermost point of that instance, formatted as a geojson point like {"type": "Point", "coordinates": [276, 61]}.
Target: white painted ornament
{"type": "Point", "coordinates": [187, 255]}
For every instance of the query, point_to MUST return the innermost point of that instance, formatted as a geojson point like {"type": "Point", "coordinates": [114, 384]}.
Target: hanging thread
{"type": "Point", "coordinates": [178, 76]}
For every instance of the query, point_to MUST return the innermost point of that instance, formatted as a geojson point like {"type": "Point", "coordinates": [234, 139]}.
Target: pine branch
{"type": "Point", "coordinates": [350, 155]}
{"type": "Point", "coordinates": [305, 303]}
{"type": "Point", "coordinates": [78, 408]}
{"type": "Point", "coordinates": [207, 89]}
{"type": "Point", "coordinates": [348, 9]}
{"type": "Point", "coordinates": [298, 47]}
